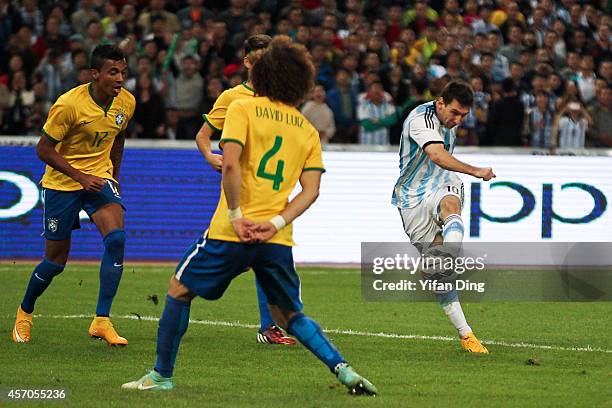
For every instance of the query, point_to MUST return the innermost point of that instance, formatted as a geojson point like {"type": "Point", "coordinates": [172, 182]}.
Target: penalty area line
{"type": "Point", "coordinates": [240, 325]}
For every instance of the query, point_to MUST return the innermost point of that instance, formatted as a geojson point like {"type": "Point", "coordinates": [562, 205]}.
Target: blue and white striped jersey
{"type": "Point", "coordinates": [419, 176]}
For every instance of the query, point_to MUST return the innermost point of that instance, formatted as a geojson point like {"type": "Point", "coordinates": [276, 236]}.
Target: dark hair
{"type": "Point", "coordinates": [459, 91]}
{"type": "Point", "coordinates": [105, 52]}
{"type": "Point", "coordinates": [284, 72]}
{"type": "Point", "coordinates": [420, 86]}
{"type": "Point", "coordinates": [256, 42]}
{"type": "Point", "coordinates": [508, 85]}
{"type": "Point", "coordinates": [77, 52]}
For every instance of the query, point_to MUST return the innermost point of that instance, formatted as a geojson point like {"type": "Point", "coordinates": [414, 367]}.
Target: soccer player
{"type": "Point", "coordinates": [269, 332]}
{"type": "Point", "coordinates": [428, 193]}
{"type": "Point", "coordinates": [82, 145]}
{"type": "Point", "coordinates": [268, 146]}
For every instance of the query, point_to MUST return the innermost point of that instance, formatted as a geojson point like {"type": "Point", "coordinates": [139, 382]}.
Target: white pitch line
{"type": "Point", "coordinates": [586, 348]}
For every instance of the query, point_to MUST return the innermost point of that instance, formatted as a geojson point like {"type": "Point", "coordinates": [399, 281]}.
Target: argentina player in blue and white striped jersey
{"type": "Point", "coordinates": [428, 193]}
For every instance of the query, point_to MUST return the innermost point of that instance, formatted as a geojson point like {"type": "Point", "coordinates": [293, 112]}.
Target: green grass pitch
{"type": "Point", "coordinates": [221, 365]}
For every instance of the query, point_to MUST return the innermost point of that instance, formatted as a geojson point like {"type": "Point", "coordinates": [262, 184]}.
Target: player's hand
{"type": "Point", "coordinates": [262, 232]}
{"type": "Point", "coordinates": [244, 229]}
{"type": "Point", "coordinates": [92, 183]}
{"type": "Point", "coordinates": [215, 160]}
{"type": "Point", "coordinates": [485, 173]}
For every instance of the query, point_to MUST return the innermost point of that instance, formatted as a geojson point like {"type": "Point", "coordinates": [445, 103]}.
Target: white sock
{"type": "Point", "coordinates": [452, 232]}
{"type": "Point", "coordinates": [455, 314]}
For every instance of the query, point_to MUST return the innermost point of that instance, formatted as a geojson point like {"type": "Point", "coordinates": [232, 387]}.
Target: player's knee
{"type": "Point", "coordinates": [179, 291]}
{"type": "Point", "coordinates": [449, 205]}
{"type": "Point", "coordinates": [115, 240]}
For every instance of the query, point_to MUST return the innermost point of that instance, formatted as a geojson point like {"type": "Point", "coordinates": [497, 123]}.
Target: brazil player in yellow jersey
{"type": "Point", "coordinates": [269, 332]}
{"type": "Point", "coordinates": [82, 145]}
{"type": "Point", "coordinates": [268, 146]}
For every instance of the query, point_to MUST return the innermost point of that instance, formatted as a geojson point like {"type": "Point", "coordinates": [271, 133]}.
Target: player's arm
{"type": "Point", "coordinates": [116, 154]}
{"type": "Point", "coordinates": [310, 181]}
{"type": "Point", "coordinates": [45, 149]}
{"type": "Point", "coordinates": [231, 181]}
{"type": "Point", "coordinates": [203, 141]}
{"type": "Point", "coordinates": [423, 133]}
{"type": "Point", "coordinates": [444, 159]}
{"type": "Point", "coordinates": [231, 174]}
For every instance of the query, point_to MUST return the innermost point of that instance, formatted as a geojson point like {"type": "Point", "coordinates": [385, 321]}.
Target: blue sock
{"type": "Point", "coordinates": [311, 336]}
{"type": "Point", "coordinates": [265, 319]}
{"type": "Point", "coordinates": [111, 269]}
{"type": "Point", "coordinates": [172, 325]}
{"type": "Point", "coordinates": [39, 281]}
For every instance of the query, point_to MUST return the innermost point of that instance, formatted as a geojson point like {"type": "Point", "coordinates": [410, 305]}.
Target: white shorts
{"type": "Point", "coordinates": [422, 223]}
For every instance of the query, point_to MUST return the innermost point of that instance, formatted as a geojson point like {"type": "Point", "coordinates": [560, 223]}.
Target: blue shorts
{"type": "Point", "coordinates": [61, 208]}
{"type": "Point", "coordinates": [209, 265]}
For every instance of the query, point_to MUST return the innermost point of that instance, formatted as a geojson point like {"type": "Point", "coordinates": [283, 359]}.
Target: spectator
{"type": "Point", "coordinates": [319, 114]}
{"type": "Point", "coordinates": [57, 11]}
{"type": "Point", "coordinates": [157, 7]}
{"type": "Point", "coordinates": [31, 15]}
{"type": "Point", "coordinates": [501, 68]}
{"type": "Point", "coordinates": [586, 79]}
{"type": "Point", "coordinates": [221, 47]}
{"type": "Point", "coordinates": [505, 124]}
{"type": "Point", "coordinates": [80, 18]}
{"type": "Point", "coordinates": [149, 113]}
{"type": "Point", "coordinates": [343, 102]}
{"type": "Point", "coordinates": [94, 36]}
{"type": "Point", "coordinates": [600, 133]}
{"type": "Point", "coordinates": [194, 13]}
{"type": "Point", "coordinates": [376, 114]}
{"type": "Point", "coordinates": [9, 20]}
{"type": "Point", "coordinates": [572, 68]}
{"type": "Point", "coordinates": [570, 127]}
{"type": "Point", "coordinates": [473, 128]}
{"type": "Point", "coordinates": [19, 106]}
{"type": "Point", "coordinates": [513, 49]}
{"type": "Point", "coordinates": [69, 71]}
{"type": "Point", "coordinates": [416, 19]}
{"type": "Point", "coordinates": [53, 37]}
{"type": "Point", "coordinates": [128, 24]}
{"type": "Point", "coordinates": [51, 74]}
{"type": "Point", "coordinates": [483, 24]}
{"type": "Point", "coordinates": [171, 123]}
{"type": "Point", "coordinates": [214, 88]}
{"type": "Point", "coordinates": [31, 47]}
{"type": "Point", "coordinates": [540, 121]}
{"type": "Point", "coordinates": [189, 92]}
{"type": "Point", "coordinates": [111, 20]}
{"type": "Point", "coordinates": [605, 70]}
{"type": "Point", "coordinates": [236, 14]}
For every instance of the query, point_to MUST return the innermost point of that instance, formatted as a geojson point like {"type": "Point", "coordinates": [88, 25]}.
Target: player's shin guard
{"type": "Point", "coordinates": [265, 319]}
{"type": "Point", "coordinates": [452, 232]}
{"type": "Point", "coordinates": [111, 270]}
{"type": "Point", "coordinates": [172, 326]}
{"type": "Point", "coordinates": [311, 336]}
{"type": "Point", "coordinates": [450, 303]}
{"type": "Point", "coordinates": [41, 278]}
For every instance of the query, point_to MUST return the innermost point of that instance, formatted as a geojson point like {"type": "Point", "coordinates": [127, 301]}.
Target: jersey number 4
{"type": "Point", "coordinates": [277, 177]}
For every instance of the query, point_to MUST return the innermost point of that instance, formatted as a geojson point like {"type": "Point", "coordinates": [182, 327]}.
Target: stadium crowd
{"type": "Point", "coordinates": [541, 70]}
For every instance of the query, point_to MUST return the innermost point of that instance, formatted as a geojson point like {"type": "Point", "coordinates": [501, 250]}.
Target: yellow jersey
{"type": "Point", "coordinates": [216, 117]}
{"type": "Point", "coordinates": [84, 131]}
{"type": "Point", "coordinates": [279, 143]}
